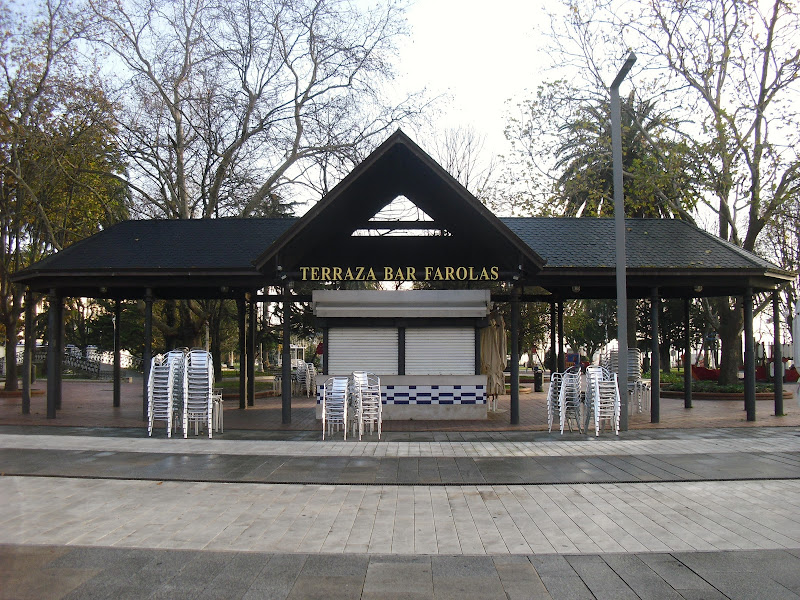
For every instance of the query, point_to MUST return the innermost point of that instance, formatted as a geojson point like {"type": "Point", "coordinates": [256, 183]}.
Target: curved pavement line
{"type": "Point", "coordinates": [784, 441]}
{"type": "Point", "coordinates": [175, 479]}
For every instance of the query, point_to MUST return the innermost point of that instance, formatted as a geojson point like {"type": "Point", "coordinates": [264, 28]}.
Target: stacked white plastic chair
{"type": "Point", "coordinates": [365, 389]}
{"type": "Point", "coordinates": [300, 376]}
{"type": "Point", "coordinates": [311, 380]}
{"type": "Point", "coordinates": [602, 398]}
{"type": "Point", "coordinates": [553, 392]}
{"type": "Point", "coordinates": [334, 405]}
{"type": "Point", "coordinates": [199, 402]}
{"type": "Point", "coordinates": [638, 390]}
{"type": "Point", "coordinates": [569, 399]}
{"type": "Point", "coordinates": [160, 392]}
{"type": "Point", "coordinates": [178, 359]}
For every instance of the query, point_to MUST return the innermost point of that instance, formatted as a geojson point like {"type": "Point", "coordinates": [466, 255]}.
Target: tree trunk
{"type": "Point", "coordinates": [12, 379]}
{"type": "Point", "coordinates": [663, 349]}
{"type": "Point", "coordinates": [632, 322]}
{"type": "Point", "coordinates": [214, 321]}
{"type": "Point", "coordinates": [731, 322]}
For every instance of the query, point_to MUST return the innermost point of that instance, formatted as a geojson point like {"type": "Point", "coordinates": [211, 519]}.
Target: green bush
{"type": "Point", "coordinates": [713, 386]}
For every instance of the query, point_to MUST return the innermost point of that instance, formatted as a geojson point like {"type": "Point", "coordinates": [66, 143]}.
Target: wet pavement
{"type": "Point", "coordinates": [100, 510]}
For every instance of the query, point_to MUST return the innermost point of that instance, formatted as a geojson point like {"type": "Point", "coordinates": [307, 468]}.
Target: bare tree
{"type": "Point", "coordinates": [230, 105]}
{"type": "Point", "coordinates": [727, 71]}
{"type": "Point", "coordinates": [55, 148]}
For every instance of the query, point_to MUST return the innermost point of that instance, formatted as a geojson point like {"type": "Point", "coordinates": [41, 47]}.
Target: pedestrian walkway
{"type": "Point", "coordinates": [109, 513]}
{"type": "Point", "coordinates": [475, 459]}
{"type": "Point", "coordinates": [89, 404]}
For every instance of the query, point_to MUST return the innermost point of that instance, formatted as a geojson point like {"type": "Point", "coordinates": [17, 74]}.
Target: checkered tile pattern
{"type": "Point", "coordinates": [428, 394]}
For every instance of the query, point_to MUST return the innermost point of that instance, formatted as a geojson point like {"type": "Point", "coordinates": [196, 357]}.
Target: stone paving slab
{"type": "Point", "coordinates": [472, 525]}
{"type": "Point", "coordinates": [473, 459]}
{"type": "Point", "coordinates": [366, 470]}
{"type": "Point", "coordinates": [785, 439]}
{"type": "Point", "coordinates": [36, 572]}
{"type": "Point", "coordinates": [457, 520]}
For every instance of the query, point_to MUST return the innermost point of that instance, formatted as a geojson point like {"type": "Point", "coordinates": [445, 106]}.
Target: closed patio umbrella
{"type": "Point", "coordinates": [493, 356]}
{"type": "Point", "coordinates": [796, 344]}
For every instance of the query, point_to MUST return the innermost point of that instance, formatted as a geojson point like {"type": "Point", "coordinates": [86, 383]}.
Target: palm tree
{"type": "Point", "coordinates": [655, 167]}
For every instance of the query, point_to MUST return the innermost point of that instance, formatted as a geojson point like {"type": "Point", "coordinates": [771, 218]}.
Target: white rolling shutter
{"type": "Point", "coordinates": [370, 349]}
{"type": "Point", "coordinates": [440, 351]}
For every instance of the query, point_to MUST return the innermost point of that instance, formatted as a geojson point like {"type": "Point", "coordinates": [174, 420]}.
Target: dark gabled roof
{"type": "Point", "coordinates": [650, 243]}
{"type": "Point", "coordinates": [673, 256]}
{"type": "Point", "coordinates": [197, 258]}
{"type": "Point", "coordinates": [398, 167]}
{"type": "Point", "coordinates": [169, 245]}
{"type": "Point", "coordinates": [567, 257]}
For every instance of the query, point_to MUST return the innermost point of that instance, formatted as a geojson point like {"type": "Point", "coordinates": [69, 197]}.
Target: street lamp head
{"type": "Point", "coordinates": [623, 72]}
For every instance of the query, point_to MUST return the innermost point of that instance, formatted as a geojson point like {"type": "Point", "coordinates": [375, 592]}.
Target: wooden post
{"type": "Point", "coordinates": [147, 355]}
{"type": "Point", "coordinates": [286, 371]}
{"type": "Point", "coordinates": [749, 357]}
{"type": "Point", "coordinates": [515, 315]}
{"type": "Point", "coordinates": [562, 360]}
{"type": "Point", "coordinates": [687, 354]}
{"type": "Point", "coordinates": [777, 353]}
{"type": "Point", "coordinates": [59, 372]}
{"type": "Point", "coordinates": [251, 351]}
{"type": "Point", "coordinates": [117, 348]}
{"type": "Point", "coordinates": [52, 351]}
{"type": "Point", "coordinates": [655, 360]}
{"type": "Point", "coordinates": [240, 307]}
{"type": "Point", "coordinates": [27, 356]}
{"type": "Point", "coordinates": [553, 349]}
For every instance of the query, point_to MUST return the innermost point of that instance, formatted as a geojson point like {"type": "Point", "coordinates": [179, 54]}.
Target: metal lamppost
{"type": "Point", "coordinates": [619, 228]}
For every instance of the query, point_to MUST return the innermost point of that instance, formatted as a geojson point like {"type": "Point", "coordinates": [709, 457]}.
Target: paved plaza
{"type": "Point", "coordinates": [702, 505]}
{"type": "Point", "coordinates": [668, 513]}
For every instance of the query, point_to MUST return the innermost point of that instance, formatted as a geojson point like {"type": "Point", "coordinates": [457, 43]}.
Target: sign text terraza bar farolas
{"type": "Point", "coordinates": [462, 273]}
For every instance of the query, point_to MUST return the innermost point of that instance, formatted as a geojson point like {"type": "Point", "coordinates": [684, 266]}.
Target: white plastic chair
{"type": "Point", "coordinates": [366, 400]}
{"type": "Point", "coordinates": [178, 358]}
{"type": "Point", "coordinates": [605, 401]}
{"type": "Point", "coordinates": [638, 389]}
{"type": "Point", "coordinates": [311, 379]}
{"type": "Point", "coordinates": [160, 392]}
{"type": "Point", "coordinates": [553, 392]}
{"type": "Point", "coordinates": [218, 414]}
{"type": "Point", "coordinates": [569, 399]}
{"type": "Point", "coordinates": [300, 376]}
{"type": "Point", "coordinates": [334, 405]}
{"type": "Point", "coordinates": [199, 403]}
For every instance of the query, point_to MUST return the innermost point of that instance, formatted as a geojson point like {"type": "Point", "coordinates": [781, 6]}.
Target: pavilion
{"type": "Point", "coordinates": [536, 259]}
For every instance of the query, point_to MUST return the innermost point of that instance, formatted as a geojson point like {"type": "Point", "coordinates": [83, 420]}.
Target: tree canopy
{"type": "Point", "coordinates": [720, 77]}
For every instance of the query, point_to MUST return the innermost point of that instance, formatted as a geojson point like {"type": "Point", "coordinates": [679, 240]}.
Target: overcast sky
{"type": "Point", "coordinates": [480, 52]}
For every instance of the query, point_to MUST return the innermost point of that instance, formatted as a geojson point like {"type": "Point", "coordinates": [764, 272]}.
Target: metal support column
{"type": "Point", "coordinates": [619, 238]}
{"type": "Point", "coordinates": [147, 355]}
{"type": "Point", "coordinates": [655, 359]}
{"type": "Point", "coordinates": [749, 357]}
{"type": "Point", "coordinates": [52, 351]}
{"type": "Point", "coordinates": [286, 371]}
{"type": "Point", "coordinates": [251, 350]}
{"type": "Point", "coordinates": [687, 354]}
{"type": "Point", "coordinates": [553, 349]}
{"type": "Point", "coordinates": [59, 372]}
{"type": "Point", "coordinates": [562, 360]}
{"type": "Point", "coordinates": [27, 356]}
{"type": "Point", "coordinates": [325, 351]}
{"type": "Point", "coordinates": [401, 351]}
{"type": "Point", "coordinates": [777, 353]}
{"type": "Point", "coordinates": [515, 355]}
{"type": "Point", "coordinates": [240, 307]}
{"type": "Point", "coordinates": [477, 348]}
{"type": "Point", "coordinates": [117, 349]}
